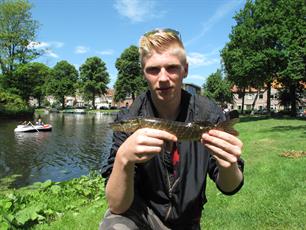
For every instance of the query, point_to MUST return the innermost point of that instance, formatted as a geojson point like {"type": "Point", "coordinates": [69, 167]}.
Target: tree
{"type": "Point", "coordinates": [12, 104]}
{"type": "Point", "coordinates": [130, 79]}
{"type": "Point", "coordinates": [268, 44]}
{"type": "Point", "coordinates": [218, 88]}
{"type": "Point", "coordinates": [94, 78]}
{"type": "Point", "coordinates": [30, 80]}
{"type": "Point", "coordinates": [62, 81]}
{"type": "Point", "coordinates": [240, 56]}
{"type": "Point", "coordinates": [293, 41]}
{"type": "Point", "coordinates": [17, 30]}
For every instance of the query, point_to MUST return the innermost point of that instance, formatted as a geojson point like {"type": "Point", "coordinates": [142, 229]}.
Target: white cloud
{"type": "Point", "coordinates": [50, 53]}
{"type": "Point", "coordinates": [38, 45]}
{"type": "Point", "coordinates": [106, 52]}
{"type": "Point", "coordinates": [57, 44]}
{"type": "Point", "coordinates": [222, 11]}
{"type": "Point", "coordinates": [198, 59]}
{"type": "Point", "coordinates": [81, 49]}
{"type": "Point", "coordinates": [137, 10]}
{"type": "Point", "coordinates": [196, 77]}
{"type": "Point", "coordinates": [42, 45]}
{"type": "Point", "coordinates": [47, 47]}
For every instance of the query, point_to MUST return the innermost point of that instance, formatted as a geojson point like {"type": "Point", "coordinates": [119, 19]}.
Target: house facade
{"type": "Point", "coordinates": [256, 99]}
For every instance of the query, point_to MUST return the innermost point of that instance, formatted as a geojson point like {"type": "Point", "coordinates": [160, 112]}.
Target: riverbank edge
{"type": "Point", "coordinates": [78, 111]}
{"type": "Point", "coordinates": [45, 202]}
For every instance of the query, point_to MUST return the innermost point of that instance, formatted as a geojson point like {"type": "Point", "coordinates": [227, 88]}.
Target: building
{"type": "Point", "coordinates": [192, 88]}
{"type": "Point", "coordinates": [256, 99]}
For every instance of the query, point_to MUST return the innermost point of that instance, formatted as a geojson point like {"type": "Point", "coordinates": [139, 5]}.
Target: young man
{"type": "Point", "coordinates": [155, 181]}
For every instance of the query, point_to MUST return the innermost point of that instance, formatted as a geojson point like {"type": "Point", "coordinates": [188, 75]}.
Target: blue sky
{"type": "Point", "coordinates": [74, 30]}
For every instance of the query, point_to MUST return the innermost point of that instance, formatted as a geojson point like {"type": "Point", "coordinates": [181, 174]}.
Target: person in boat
{"type": "Point", "coordinates": [39, 122]}
{"type": "Point", "coordinates": [152, 180]}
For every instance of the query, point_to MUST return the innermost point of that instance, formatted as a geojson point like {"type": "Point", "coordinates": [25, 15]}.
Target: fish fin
{"type": "Point", "coordinates": [228, 126]}
{"type": "Point", "coordinates": [203, 123]}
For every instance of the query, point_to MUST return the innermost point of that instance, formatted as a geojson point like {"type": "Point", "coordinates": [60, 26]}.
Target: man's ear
{"type": "Point", "coordinates": [185, 70]}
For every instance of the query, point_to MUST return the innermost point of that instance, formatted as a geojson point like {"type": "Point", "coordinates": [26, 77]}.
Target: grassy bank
{"type": "Point", "coordinates": [273, 197]}
{"type": "Point", "coordinates": [274, 193]}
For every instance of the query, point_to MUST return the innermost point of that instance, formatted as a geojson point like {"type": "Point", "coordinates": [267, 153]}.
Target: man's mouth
{"type": "Point", "coordinates": [164, 88]}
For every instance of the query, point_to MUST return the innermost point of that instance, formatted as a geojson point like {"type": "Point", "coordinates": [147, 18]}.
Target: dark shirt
{"type": "Point", "coordinates": [176, 193]}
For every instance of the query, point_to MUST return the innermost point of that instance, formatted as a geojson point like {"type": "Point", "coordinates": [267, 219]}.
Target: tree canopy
{"type": "Point", "coordinates": [30, 80]}
{"type": "Point", "coordinates": [62, 81]}
{"type": "Point", "coordinates": [93, 78]}
{"type": "Point", "coordinates": [17, 31]}
{"type": "Point", "coordinates": [218, 88]}
{"type": "Point", "coordinates": [267, 44]}
{"type": "Point", "coordinates": [130, 80]}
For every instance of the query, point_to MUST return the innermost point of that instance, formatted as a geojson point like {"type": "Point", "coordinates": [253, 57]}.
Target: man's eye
{"type": "Point", "coordinates": [173, 68]}
{"type": "Point", "coordinates": [152, 70]}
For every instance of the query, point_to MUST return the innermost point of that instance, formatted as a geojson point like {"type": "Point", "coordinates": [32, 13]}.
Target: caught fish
{"type": "Point", "coordinates": [182, 130]}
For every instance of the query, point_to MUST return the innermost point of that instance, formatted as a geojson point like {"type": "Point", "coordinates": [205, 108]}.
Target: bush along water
{"type": "Point", "coordinates": [45, 202]}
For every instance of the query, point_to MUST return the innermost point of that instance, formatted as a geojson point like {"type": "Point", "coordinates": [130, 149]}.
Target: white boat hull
{"type": "Point", "coordinates": [33, 128]}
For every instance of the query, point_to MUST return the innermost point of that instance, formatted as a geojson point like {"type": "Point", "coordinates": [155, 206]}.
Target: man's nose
{"type": "Point", "coordinates": [163, 74]}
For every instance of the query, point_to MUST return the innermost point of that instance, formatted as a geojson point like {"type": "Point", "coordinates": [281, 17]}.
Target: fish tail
{"type": "Point", "coordinates": [228, 126]}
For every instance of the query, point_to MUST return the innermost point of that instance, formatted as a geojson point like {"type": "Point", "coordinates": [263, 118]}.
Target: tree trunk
{"type": "Point", "coordinates": [242, 104]}
{"type": "Point", "coordinates": [94, 101]}
{"type": "Point", "coordinates": [292, 95]}
{"type": "Point", "coordinates": [255, 99]}
{"type": "Point", "coordinates": [39, 101]}
{"type": "Point", "coordinates": [133, 96]}
{"type": "Point", "coordinates": [63, 103]}
{"type": "Point", "coordinates": [268, 96]}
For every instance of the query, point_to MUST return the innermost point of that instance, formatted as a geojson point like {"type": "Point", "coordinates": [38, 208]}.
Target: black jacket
{"type": "Point", "coordinates": [178, 199]}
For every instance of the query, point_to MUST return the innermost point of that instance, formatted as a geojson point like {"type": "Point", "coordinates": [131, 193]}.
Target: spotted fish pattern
{"type": "Point", "coordinates": [182, 130]}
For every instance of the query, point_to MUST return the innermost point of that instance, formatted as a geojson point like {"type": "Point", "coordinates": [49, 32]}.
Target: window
{"type": "Point", "coordinates": [260, 96]}
{"type": "Point", "coordinates": [249, 96]}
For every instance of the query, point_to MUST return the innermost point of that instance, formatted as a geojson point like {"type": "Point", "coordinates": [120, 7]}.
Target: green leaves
{"type": "Point", "coordinates": [62, 81]}
{"type": "Point", "coordinates": [268, 44]}
{"type": "Point", "coordinates": [31, 213]}
{"type": "Point", "coordinates": [17, 30]}
{"type": "Point", "coordinates": [130, 81]}
{"type": "Point", "coordinates": [94, 78]}
{"type": "Point", "coordinates": [29, 79]}
{"type": "Point", "coordinates": [46, 201]}
{"type": "Point", "coordinates": [218, 88]}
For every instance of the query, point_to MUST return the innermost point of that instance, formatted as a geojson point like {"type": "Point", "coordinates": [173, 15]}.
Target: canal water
{"type": "Point", "coordinates": [77, 145]}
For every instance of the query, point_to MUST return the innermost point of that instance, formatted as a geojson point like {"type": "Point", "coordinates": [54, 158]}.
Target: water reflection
{"type": "Point", "coordinates": [77, 144]}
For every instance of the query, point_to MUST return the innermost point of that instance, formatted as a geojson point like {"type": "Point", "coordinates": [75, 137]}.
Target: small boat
{"type": "Point", "coordinates": [33, 128]}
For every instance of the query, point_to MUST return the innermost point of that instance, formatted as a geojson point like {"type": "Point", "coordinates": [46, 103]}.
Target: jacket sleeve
{"type": "Point", "coordinates": [216, 115]}
{"type": "Point", "coordinates": [213, 171]}
{"type": "Point", "coordinates": [117, 140]}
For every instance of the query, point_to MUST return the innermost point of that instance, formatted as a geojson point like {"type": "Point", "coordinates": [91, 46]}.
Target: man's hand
{"type": "Point", "coordinates": [143, 145]}
{"type": "Point", "coordinates": [224, 147]}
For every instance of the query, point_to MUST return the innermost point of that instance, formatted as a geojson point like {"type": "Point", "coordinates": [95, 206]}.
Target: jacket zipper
{"type": "Point", "coordinates": [170, 193]}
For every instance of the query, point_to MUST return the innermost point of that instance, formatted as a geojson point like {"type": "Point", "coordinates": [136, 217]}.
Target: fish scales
{"type": "Point", "coordinates": [182, 130]}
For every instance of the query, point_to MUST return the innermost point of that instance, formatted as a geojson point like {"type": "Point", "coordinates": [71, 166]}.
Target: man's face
{"type": "Point", "coordinates": [164, 73]}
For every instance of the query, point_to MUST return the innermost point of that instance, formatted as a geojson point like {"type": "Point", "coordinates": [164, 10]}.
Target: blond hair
{"type": "Point", "coordinates": [159, 41]}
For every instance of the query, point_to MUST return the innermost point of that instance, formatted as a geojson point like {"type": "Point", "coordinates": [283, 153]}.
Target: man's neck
{"type": "Point", "coordinates": [169, 111]}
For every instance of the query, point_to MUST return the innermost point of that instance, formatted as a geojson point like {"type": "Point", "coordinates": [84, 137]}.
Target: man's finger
{"type": "Point", "coordinates": [161, 134]}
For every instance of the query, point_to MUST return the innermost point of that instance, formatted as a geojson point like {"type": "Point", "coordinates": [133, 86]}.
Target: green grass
{"type": "Point", "coordinates": [273, 196]}
{"type": "Point", "coordinates": [274, 192]}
